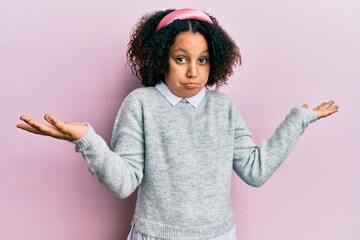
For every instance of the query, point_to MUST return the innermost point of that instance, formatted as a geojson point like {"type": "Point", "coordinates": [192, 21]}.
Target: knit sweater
{"type": "Point", "coordinates": [181, 159]}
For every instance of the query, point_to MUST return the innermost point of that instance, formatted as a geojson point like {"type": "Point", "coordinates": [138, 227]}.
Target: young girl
{"type": "Point", "coordinates": [176, 140]}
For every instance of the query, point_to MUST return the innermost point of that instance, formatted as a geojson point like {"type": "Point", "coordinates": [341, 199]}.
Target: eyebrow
{"type": "Point", "coordinates": [183, 50]}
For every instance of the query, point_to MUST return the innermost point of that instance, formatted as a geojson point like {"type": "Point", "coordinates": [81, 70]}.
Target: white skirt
{"type": "Point", "coordinates": [135, 235]}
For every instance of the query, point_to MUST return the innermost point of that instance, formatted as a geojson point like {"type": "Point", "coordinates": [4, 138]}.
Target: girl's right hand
{"type": "Point", "coordinates": [70, 131]}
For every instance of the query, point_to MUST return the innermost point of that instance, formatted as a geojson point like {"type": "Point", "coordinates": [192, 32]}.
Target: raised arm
{"type": "Point", "coordinates": [119, 168]}
{"type": "Point", "coordinates": [255, 164]}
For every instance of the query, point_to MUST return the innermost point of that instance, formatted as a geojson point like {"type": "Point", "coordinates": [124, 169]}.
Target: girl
{"type": "Point", "coordinates": [175, 139]}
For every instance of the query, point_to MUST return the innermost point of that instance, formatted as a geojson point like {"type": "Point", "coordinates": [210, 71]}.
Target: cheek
{"type": "Point", "coordinates": [172, 68]}
{"type": "Point", "coordinates": [177, 71]}
{"type": "Point", "coordinates": [171, 78]}
{"type": "Point", "coordinates": [206, 71]}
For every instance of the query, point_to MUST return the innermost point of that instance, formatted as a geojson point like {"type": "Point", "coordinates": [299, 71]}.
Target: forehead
{"type": "Point", "coordinates": [190, 41]}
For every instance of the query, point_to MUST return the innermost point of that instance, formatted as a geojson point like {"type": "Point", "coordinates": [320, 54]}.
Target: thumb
{"type": "Point", "coordinates": [305, 106]}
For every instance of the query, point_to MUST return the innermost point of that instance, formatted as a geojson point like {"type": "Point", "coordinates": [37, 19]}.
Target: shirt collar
{"type": "Point", "coordinates": [173, 99]}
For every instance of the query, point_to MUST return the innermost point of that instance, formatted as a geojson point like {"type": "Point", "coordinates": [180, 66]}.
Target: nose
{"type": "Point", "coordinates": [192, 71]}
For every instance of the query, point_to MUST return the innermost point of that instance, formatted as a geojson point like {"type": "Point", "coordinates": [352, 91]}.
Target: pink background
{"type": "Point", "coordinates": [68, 58]}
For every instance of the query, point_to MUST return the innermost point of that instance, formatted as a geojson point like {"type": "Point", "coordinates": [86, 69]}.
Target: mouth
{"type": "Point", "coordinates": [190, 85]}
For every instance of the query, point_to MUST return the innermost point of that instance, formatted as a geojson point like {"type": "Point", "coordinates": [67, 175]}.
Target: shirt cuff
{"type": "Point", "coordinates": [88, 141]}
{"type": "Point", "coordinates": [309, 115]}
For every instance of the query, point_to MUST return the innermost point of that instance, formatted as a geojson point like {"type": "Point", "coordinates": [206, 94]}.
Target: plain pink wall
{"type": "Point", "coordinates": [68, 58]}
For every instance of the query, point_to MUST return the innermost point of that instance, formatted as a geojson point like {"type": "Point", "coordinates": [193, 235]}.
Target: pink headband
{"type": "Point", "coordinates": [183, 14]}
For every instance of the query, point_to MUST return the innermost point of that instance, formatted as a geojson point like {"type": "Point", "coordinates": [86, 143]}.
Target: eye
{"type": "Point", "coordinates": [203, 60]}
{"type": "Point", "coordinates": [180, 59]}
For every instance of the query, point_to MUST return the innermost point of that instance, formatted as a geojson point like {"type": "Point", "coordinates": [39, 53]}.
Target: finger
{"type": "Point", "coordinates": [329, 104]}
{"type": "Point", "coordinates": [28, 128]}
{"type": "Point", "coordinates": [60, 125]}
{"type": "Point", "coordinates": [325, 105]}
{"type": "Point", "coordinates": [305, 106]}
{"type": "Point", "coordinates": [320, 106]}
{"type": "Point", "coordinates": [31, 123]}
{"type": "Point", "coordinates": [50, 119]}
{"type": "Point", "coordinates": [328, 111]}
{"type": "Point", "coordinates": [33, 128]}
{"type": "Point", "coordinates": [47, 117]}
{"type": "Point", "coordinates": [24, 118]}
{"type": "Point", "coordinates": [65, 128]}
{"type": "Point", "coordinates": [37, 127]}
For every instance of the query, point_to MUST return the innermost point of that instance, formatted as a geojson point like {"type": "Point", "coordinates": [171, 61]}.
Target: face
{"type": "Point", "coordinates": [189, 64]}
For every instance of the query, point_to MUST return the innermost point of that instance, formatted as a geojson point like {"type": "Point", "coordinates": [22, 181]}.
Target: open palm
{"type": "Point", "coordinates": [57, 129]}
{"type": "Point", "coordinates": [325, 109]}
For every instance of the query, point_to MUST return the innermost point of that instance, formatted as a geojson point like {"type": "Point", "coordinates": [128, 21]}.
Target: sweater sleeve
{"type": "Point", "coordinates": [119, 168]}
{"type": "Point", "coordinates": [255, 164]}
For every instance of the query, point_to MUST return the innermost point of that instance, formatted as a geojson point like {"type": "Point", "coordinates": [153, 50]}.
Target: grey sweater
{"type": "Point", "coordinates": [181, 159]}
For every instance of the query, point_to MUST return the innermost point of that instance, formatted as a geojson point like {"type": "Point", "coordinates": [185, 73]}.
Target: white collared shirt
{"type": "Point", "coordinates": [173, 99]}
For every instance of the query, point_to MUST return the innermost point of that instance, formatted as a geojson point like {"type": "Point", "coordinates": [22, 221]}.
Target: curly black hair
{"type": "Point", "coordinates": [148, 51]}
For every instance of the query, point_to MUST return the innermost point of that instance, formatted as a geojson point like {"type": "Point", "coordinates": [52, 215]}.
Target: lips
{"type": "Point", "coordinates": [190, 85]}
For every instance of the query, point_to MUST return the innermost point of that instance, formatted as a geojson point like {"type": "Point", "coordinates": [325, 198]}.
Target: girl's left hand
{"type": "Point", "coordinates": [325, 109]}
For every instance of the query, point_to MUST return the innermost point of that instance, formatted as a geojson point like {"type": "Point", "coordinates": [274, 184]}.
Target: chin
{"type": "Point", "coordinates": [190, 93]}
